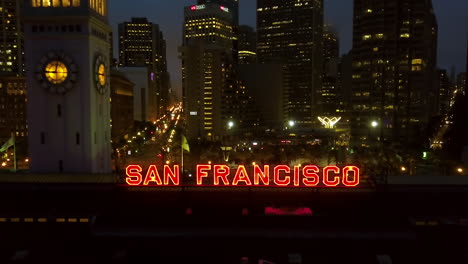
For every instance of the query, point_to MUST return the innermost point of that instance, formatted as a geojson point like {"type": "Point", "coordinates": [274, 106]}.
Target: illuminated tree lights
{"type": "Point", "coordinates": [223, 175]}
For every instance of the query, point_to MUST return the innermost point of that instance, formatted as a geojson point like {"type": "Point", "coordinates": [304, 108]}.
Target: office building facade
{"type": "Point", "coordinates": [394, 62]}
{"type": "Point", "coordinates": [11, 37]}
{"type": "Point", "coordinates": [142, 44]}
{"type": "Point", "coordinates": [290, 33]}
{"type": "Point", "coordinates": [330, 95]}
{"type": "Point", "coordinates": [208, 71]}
{"type": "Point", "coordinates": [247, 45]}
{"type": "Point", "coordinates": [13, 111]}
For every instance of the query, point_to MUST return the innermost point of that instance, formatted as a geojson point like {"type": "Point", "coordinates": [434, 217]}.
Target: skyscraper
{"type": "Point", "coordinates": [290, 33]}
{"type": "Point", "coordinates": [68, 86]}
{"type": "Point", "coordinates": [13, 116]}
{"type": "Point", "coordinates": [394, 60]}
{"type": "Point", "coordinates": [207, 70]}
{"type": "Point", "coordinates": [247, 45]}
{"type": "Point", "coordinates": [330, 96]}
{"type": "Point", "coordinates": [11, 37]}
{"type": "Point", "coordinates": [142, 44]}
{"type": "Point", "coordinates": [444, 91]}
{"type": "Point", "coordinates": [232, 5]}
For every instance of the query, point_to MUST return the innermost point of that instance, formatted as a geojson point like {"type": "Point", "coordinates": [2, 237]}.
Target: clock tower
{"type": "Point", "coordinates": [67, 65]}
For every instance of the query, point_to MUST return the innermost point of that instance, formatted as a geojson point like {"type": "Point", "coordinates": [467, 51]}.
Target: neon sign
{"type": "Point", "coordinates": [225, 9]}
{"type": "Point", "coordinates": [197, 7]}
{"type": "Point", "coordinates": [256, 176]}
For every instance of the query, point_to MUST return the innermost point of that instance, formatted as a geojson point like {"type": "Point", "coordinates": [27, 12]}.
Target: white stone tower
{"type": "Point", "coordinates": [67, 65]}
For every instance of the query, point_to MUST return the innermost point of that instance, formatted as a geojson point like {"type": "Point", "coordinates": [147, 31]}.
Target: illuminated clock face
{"type": "Point", "coordinates": [101, 75]}
{"type": "Point", "coordinates": [56, 73]}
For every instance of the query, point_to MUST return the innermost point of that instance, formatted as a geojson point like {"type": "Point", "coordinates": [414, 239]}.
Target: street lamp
{"type": "Point", "coordinates": [230, 124]}
{"type": "Point", "coordinates": [375, 124]}
{"type": "Point", "coordinates": [291, 123]}
{"type": "Point", "coordinates": [460, 170]}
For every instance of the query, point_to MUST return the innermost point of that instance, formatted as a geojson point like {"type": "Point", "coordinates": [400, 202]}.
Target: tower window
{"type": "Point", "coordinates": [59, 110]}
{"type": "Point", "coordinates": [55, 3]}
{"type": "Point", "coordinates": [42, 138]}
{"type": "Point", "coordinates": [98, 6]}
{"type": "Point", "coordinates": [77, 139]}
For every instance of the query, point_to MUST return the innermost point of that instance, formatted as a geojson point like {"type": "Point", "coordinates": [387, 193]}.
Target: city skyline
{"type": "Point", "coordinates": [453, 27]}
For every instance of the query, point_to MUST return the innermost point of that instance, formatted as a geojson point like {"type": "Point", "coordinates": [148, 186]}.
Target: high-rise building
{"type": "Point", "coordinates": [11, 37]}
{"type": "Point", "coordinates": [247, 45]}
{"type": "Point", "coordinates": [143, 92]}
{"type": "Point", "coordinates": [13, 116]}
{"type": "Point", "coordinates": [330, 95]}
{"type": "Point", "coordinates": [121, 106]}
{"type": "Point", "coordinates": [462, 84]}
{"type": "Point", "coordinates": [231, 5]}
{"type": "Point", "coordinates": [67, 49]}
{"type": "Point", "coordinates": [345, 83]}
{"type": "Point", "coordinates": [264, 83]}
{"type": "Point", "coordinates": [394, 61]}
{"type": "Point", "coordinates": [142, 44]}
{"type": "Point", "coordinates": [444, 91]}
{"type": "Point", "coordinates": [290, 33]}
{"type": "Point", "coordinates": [209, 86]}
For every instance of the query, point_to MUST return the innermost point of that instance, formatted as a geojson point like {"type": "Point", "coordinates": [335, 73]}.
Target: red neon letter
{"type": "Point", "coordinates": [276, 178]}
{"type": "Point", "coordinates": [133, 175]}
{"type": "Point", "coordinates": [262, 175]}
{"type": "Point", "coordinates": [346, 176]}
{"type": "Point", "coordinates": [241, 175]}
{"type": "Point", "coordinates": [297, 174]}
{"type": "Point", "coordinates": [311, 178]}
{"type": "Point", "coordinates": [152, 175]}
{"type": "Point", "coordinates": [326, 175]}
{"type": "Point", "coordinates": [221, 171]}
{"type": "Point", "coordinates": [173, 175]}
{"type": "Point", "coordinates": [201, 173]}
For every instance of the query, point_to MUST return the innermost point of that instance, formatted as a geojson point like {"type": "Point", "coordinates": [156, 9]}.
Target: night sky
{"type": "Point", "coordinates": [451, 16]}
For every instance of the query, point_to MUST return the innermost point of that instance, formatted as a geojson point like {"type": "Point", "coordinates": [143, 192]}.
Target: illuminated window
{"type": "Point", "coordinates": [55, 3]}
{"type": "Point", "coordinates": [416, 61]}
{"type": "Point", "coordinates": [102, 74]}
{"type": "Point", "coordinates": [56, 72]}
{"type": "Point", "coordinates": [405, 35]}
{"type": "Point", "coordinates": [98, 6]}
{"type": "Point", "coordinates": [379, 35]}
{"type": "Point", "coordinates": [369, 10]}
{"type": "Point", "coordinates": [366, 37]}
